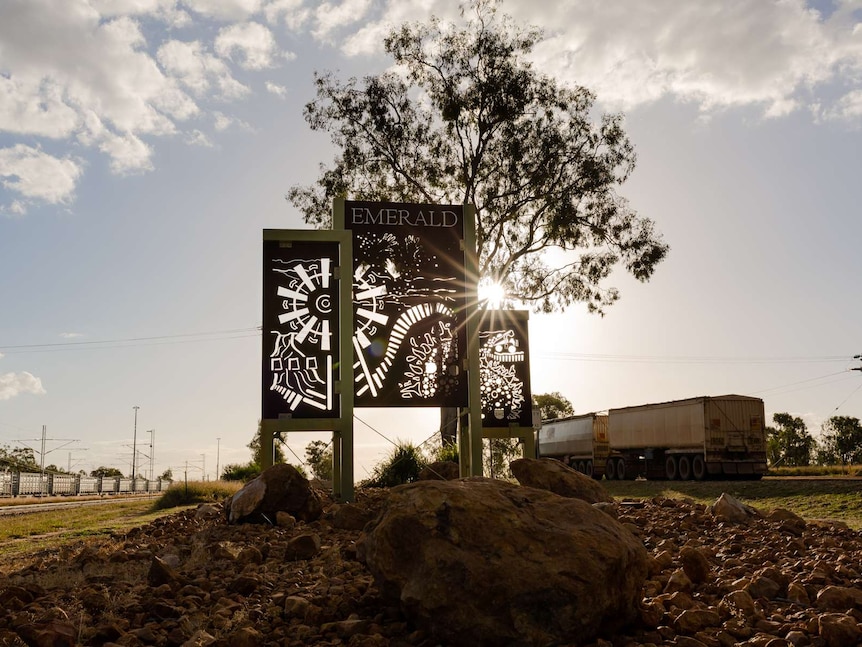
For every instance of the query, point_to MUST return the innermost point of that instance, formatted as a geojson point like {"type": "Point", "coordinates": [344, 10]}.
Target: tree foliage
{"type": "Point", "coordinates": [553, 405]}
{"type": "Point", "coordinates": [464, 118]}
{"type": "Point", "coordinates": [789, 443]}
{"type": "Point", "coordinates": [318, 455]}
{"type": "Point", "coordinates": [106, 471]}
{"type": "Point", "coordinates": [22, 459]}
{"type": "Point", "coordinates": [842, 441]}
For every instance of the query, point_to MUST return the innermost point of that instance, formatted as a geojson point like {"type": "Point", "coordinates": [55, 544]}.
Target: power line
{"type": "Point", "coordinates": [217, 335]}
{"type": "Point", "coordinates": [687, 359]}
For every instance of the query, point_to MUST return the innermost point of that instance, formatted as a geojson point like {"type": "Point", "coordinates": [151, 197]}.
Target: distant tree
{"type": "Point", "coordinates": [254, 446]}
{"type": "Point", "coordinates": [106, 471]}
{"type": "Point", "coordinates": [789, 443]}
{"type": "Point", "coordinates": [318, 455]}
{"type": "Point", "coordinates": [842, 441]}
{"type": "Point", "coordinates": [500, 452]}
{"type": "Point", "coordinates": [22, 459]}
{"type": "Point", "coordinates": [241, 472]}
{"type": "Point", "coordinates": [167, 475]}
{"type": "Point", "coordinates": [553, 405]}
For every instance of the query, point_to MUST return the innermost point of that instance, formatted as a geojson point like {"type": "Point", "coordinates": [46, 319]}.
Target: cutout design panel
{"type": "Point", "coordinates": [504, 369]}
{"type": "Point", "coordinates": [300, 330]}
{"type": "Point", "coordinates": [409, 299]}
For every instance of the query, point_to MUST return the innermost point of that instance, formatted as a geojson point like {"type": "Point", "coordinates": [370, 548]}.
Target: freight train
{"type": "Point", "coordinates": [698, 438]}
{"type": "Point", "coordinates": [14, 484]}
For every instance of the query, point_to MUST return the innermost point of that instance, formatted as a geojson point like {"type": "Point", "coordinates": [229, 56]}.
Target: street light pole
{"type": "Point", "coordinates": [152, 433]}
{"type": "Point", "coordinates": [135, 443]}
{"type": "Point", "coordinates": [218, 447]}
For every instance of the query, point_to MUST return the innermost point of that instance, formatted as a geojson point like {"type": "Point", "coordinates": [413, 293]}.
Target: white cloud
{"type": "Point", "coordinates": [198, 138]}
{"type": "Point", "coordinates": [166, 11]}
{"type": "Point", "coordinates": [777, 56]}
{"type": "Point", "coordinates": [331, 16]}
{"type": "Point", "coordinates": [14, 384]}
{"type": "Point", "coordinates": [38, 176]}
{"type": "Point", "coordinates": [250, 44]}
{"type": "Point", "coordinates": [199, 70]}
{"type": "Point", "coordinates": [291, 12]}
{"type": "Point", "coordinates": [70, 335]}
{"type": "Point", "coordinates": [277, 90]}
{"type": "Point", "coordinates": [733, 53]}
{"type": "Point", "coordinates": [226, 10]}
{"type": "Point", "coordinates": [69, 73]}
{"type": "Point", "coordinates": [222, 122]}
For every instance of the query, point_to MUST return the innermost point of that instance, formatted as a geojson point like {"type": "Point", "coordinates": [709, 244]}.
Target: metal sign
{"type": "Point", "coordinates": [409, 300]}
{"type": "Point", "coordinates": [504, 369]}
{"type": "Point", "coordinates": [300, 330]}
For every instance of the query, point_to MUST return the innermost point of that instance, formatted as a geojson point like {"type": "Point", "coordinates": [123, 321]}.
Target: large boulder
{"type": "Point", "coordinates": [554, 476]}
{"type": "Point", "coordinates": [280, 488]}
{"type": "Point", "coordinates": [484, 562]}
{"type": "Point", "coordinates": [440, 471]}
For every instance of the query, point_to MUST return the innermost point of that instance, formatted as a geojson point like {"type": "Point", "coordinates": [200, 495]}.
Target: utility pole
{"type": "Point", "coordinates": [218, 447]}
{"type": "Point", "coordinates": [135, 443]}
{"type": "Point", "coordinates": [152, 433]}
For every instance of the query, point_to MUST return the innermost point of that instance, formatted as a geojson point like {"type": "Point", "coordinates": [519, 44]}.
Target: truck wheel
{"type": "Point", "coordinates": [589, 471]}
{"type": "Point", "coordinates": [670, 468]}
{"type": "Point", "coordinates": [698, 467]}
{"type": "Point", "coordinates": [621, 469]}
{"type": "Point", "coordinates": [683, 466]}
{"type": "Point", "coordinates": [581, 467]}
{"type": "Point", "coordinates": [610, 469]}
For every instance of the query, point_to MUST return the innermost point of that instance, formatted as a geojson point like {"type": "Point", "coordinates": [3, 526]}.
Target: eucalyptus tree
{"type": "Point", "coordinates": [789, 443]}
{"type": "Point", "coordinates": [465, 118]}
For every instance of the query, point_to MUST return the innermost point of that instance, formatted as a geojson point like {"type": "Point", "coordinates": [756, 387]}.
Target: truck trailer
{"type": "Point", "coordinates": [698, 438]}
{"type": "Point", "coordinates": [581, 442]}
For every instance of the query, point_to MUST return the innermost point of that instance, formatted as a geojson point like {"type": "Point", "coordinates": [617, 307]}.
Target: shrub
{"type": "Point", "coordinates": [401, 466]}
{"type": "Point", "coordinates": [195, 492]}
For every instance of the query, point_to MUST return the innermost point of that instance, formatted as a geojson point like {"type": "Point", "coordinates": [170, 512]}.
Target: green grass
{"type": "Point", "coordinates": [23, 534]}
{"type": "Point", "coordinates": [810, 498]}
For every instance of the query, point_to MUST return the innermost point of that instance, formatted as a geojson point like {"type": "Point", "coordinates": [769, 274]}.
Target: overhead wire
{"type": "Point", "coordinates": [216, 335]}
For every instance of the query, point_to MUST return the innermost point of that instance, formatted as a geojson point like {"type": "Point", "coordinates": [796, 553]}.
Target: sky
{"type": "Point", "coordinates": [145, 145]}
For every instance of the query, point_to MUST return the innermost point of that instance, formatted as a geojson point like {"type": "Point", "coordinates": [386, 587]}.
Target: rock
{"type": "Point", "coordinates": [678, 581]}
{"type": "Point", "coordinates": [727, 508]}
{"type": "Point", "coordinates": [554, 476]}
{"type": "Point", "coordinates": [691, 621]}
{"type": "Point", "coordinates": [761, 586]}
{"type": "Point", "coordinates": [349, 516]}
{"type": "Point", "coordinates": [484, 562]}
{"type": "Point", "coordinates": [304, 546]}
{"type": "Point", "coordinates": [839, 630]}
{"type": "Point", "coordinates": [208, 511]}
{"type": "Point", "coordinates": [161, 573]}
{"type": "Point", "coordinates": [280, 488]}
{"type": "Point", "coordinates": [440, 471]}
{"type": "Point", "coordinates": [695, 564]}
{"type": "Point", "coordinates": [839, 598]}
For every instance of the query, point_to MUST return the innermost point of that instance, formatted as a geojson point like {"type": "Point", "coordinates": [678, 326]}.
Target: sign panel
{"type": "Point", "coordinates": [300, 330]}
{"type": "Point", "coordinates": [504, 369]}
{"type": "Point", "coordinates": [409, 300]}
